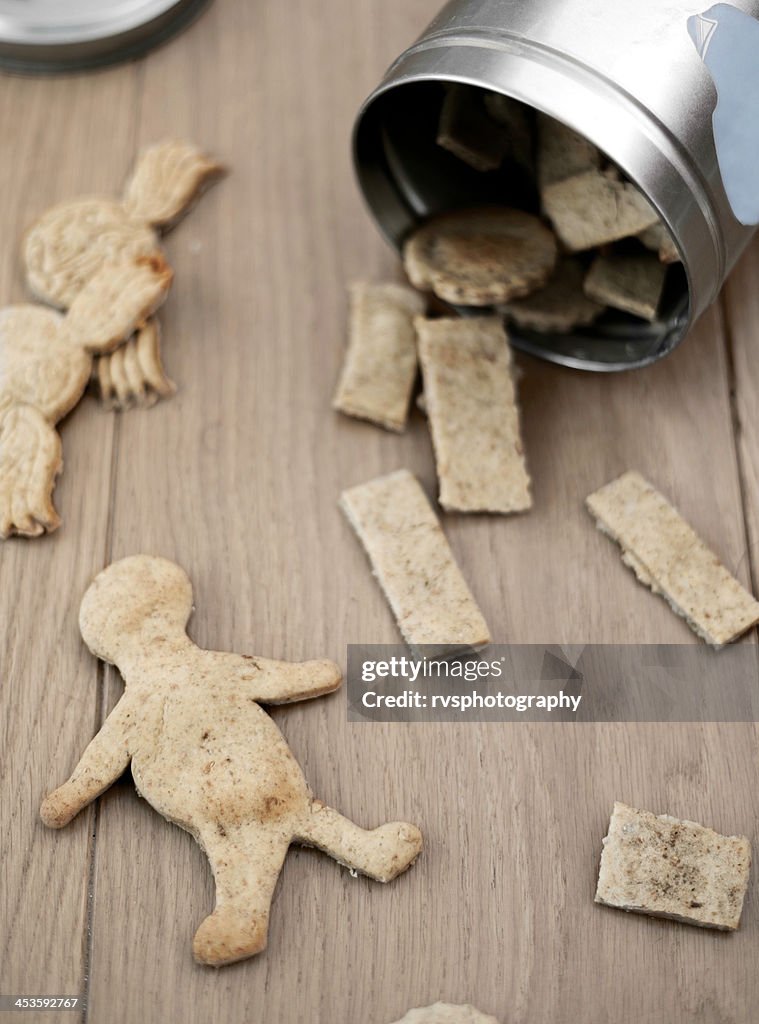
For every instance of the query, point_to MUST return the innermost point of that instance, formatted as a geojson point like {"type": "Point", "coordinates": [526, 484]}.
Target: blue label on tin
{"type": "Point", "coordinates": [727, 41]}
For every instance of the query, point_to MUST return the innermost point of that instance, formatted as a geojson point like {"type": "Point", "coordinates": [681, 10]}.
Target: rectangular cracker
{"type": "Point", "coordinates": [594, 208]}
{"type": "Point", "coordinates": [466, 130]}
{"type": "Point", "coordinates": [668, 556]}
{"type": "Point", "coordinates": [633, 284]}
{"type": "Point", "coordinates": [414, 565]}
{"type": "Point", "coordinates": [473, 415]}
{"type": "Point", "coordinates": [664, 867]}
{"type": "Point", "coordinates": [380, 364]}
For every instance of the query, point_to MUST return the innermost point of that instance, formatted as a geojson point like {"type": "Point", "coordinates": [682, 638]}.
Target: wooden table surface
{"type": "Point", "coordinates": [237, 478]}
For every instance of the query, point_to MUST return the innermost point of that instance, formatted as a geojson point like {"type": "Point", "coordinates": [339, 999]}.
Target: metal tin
{"type": "Point", "coordinates": [641, 80]}
{"type": "Point", "coordinates": [51, 36]}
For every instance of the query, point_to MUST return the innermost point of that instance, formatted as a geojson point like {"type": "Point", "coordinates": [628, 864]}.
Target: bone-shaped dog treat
{"type": "Point", "coordinates": [207, 757]}
{"type": "Point", "coordinates": [45, 363]}
{"type": "Point", "coordinates": [75, 239]}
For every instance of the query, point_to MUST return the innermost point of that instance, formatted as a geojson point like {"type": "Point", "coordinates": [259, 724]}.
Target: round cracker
{"type": "Point", "coordinates": [72, 241]}
{"type": "Point", "coordinates": [558, 307]}
{"type": "Point", "coordinates": [481, 256]}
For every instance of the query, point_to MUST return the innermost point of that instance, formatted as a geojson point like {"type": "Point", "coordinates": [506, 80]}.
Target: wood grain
{"type": "Point", "coordinates": [237, 478]}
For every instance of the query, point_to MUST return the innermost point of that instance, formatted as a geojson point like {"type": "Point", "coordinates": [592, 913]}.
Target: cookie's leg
{"type": "Point", "coordinates": [30, 460]}
{"type": "Point", "coordinates": [381, 853]}
{"type": "Point", "coordinates": [246, 867]}
{"type": "Point", "coordinates": [133, 375]}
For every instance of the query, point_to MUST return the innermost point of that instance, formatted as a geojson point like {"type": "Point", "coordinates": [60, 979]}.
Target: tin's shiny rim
{"type": "Point", "coordinates": [390, 207]}
{"type": "Point", "coordinates": [92, 38]}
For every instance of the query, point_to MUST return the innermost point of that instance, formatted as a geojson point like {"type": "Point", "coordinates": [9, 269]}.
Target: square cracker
{"type": "Point", "coordinates": [659, 239]}
{"type": "Point", "coordinates": [660, 866]}
{"type": "Point", "coordinates": [473, 415]}
{"type": "Point", "coordinates": [594, 208]}
{"type": "Point", "coordinates": [466, 130]}
{"type": "Point", "coordinates": [380, 364]}
{"type": "Point", "coordinates": [668, 556]}
{"type": "Point", "coordinates": [517, 121]}
{"type": "Point", "coordinates": [414, 565]}
{"type": "Point", "coordinates": [633, 284]}
{"type": "Point", "coordinates": [562, 152]}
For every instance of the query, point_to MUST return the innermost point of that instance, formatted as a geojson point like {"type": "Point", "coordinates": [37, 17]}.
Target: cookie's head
{"type": "Point", "coordinates": [133, 601]}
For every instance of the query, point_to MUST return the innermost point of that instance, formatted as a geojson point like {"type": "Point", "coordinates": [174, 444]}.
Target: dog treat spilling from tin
{"type": "Point", "coordinates": [518, 260]}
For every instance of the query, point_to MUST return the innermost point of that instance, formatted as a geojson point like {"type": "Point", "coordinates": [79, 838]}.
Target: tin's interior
{"type": "Point", "coordinates": [407, 177]}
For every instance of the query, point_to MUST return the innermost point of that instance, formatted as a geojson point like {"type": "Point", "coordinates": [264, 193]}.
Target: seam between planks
{"type": "Point", "coordinates": [726, 327]}
{"type": "Point", "coordinates": [735, 416]}
{"type": "Point", "coordinates": [99, 716]}
{"type": "Point", "coordinates": [102, 668]}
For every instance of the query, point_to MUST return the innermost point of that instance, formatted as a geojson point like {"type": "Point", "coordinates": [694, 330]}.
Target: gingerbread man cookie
{"type": "Point", "coordinates": [207, 757]}
{"type": "Point", "coordinates": [75, 239]}
{"type": "Point", "coordinates": [45, 363]}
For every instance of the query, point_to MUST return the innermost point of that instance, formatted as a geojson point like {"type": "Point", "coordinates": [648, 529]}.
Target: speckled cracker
{"type": "Point", "coordinates": [660, 866]}
{"type": "Point", "coordinates": [473, 415]}
{"type": "Point", "coordinates": [660, 241]}
{"type": "Point", "coordinates": [169, 176]}
{"type": "Point", "coordinates": [380, 365]}
{"type": "Point", "coordinates": [466, 130]}
{"type": "Point", "coordinates": [559, 306]}
{"type": "Point", "coordinates": [593, 209]}
{"type": "Point", "coordinates": [633, 284]}
{"type": "Point", "coordinates": [207, 757]}
{"type": "Point", "coordinates": [446, 1013]}
{"type": "Point", "coordinates": [75, 239]}
{"type": "Point", "coordinates": [134, 373]}
{"type": "Point", "coordinates": [45, 363]}
{"type": "Point", "coordinates": [414, 565]}
{"type": "Point", "coordinates": [669, 557]}
{"type": "Point", "coordinates": [562, 152]}
{"type": "Point", "coordinates": [480, 256]}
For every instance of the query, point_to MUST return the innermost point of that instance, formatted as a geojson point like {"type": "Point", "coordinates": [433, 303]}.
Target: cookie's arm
{"type": "Point", "coordinates": [283, 682]}
{"type": "Point", "coordinates": [167, 180]}
{"type": "Point", "coordinates": [104, 760]}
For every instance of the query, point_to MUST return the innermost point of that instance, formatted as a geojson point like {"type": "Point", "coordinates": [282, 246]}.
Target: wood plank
{"type": "Point", "coordinates": [237, 478]}
{"type": "Point", "coordinates": [740, 303]}
{"type": "Point", "coordinates": [58, 140]}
